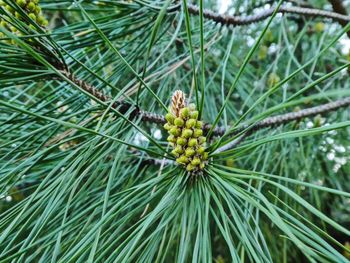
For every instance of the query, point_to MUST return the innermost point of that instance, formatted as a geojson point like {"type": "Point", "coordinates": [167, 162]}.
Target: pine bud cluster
{"type": "Point", "coordinates": [31, 7]}
{"type": "Point", "coordinates": [186, 134]}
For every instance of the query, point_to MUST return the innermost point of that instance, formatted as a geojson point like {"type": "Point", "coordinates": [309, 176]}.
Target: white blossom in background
{"type": "Point", "coordinates": [309, 124]}
{"type": "Point", "coordinates": [331, 155]}
{"type": "Point", "coordinates": [140, 139]}
{"type": "Point", "coordinates": [250, 41]}
{"type": "Point", "coordinates": [273, 48]}
{"type": "Point", "coordinates": [224, 5]}
{"type": "Point", "coordinates": [157, 134]}
{"type": "Point", "coordinates": [345, 45]}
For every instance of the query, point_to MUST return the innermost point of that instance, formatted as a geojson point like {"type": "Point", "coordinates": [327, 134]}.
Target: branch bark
{"type": "Point", "coordinates": [229, 20]}
{"type": "Point", "coordinates": [284, 118]}
{"type": "Point", "coordinates": [122, 107]}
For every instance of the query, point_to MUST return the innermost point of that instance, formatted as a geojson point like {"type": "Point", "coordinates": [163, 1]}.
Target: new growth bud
{"type": "Point", "coordinates": [190, 123]}
{"type": "Point", "coordinates": [171, 138]}
{"type": "Point", "coordinates": [181, 141]}
{"type": "Point", "coordinates": [187, 133]}
{"type": "Point", "coordinates": [170, 118]}
{"type": "Point", "coordinates": [192, 142]}
{"type": "Point", "coordinates": [185, 112]}
{"type": "Point", "coordinates": [21, 3]}
{"type": "Point", "coordinates": [167, 126]}
{"type": "Point", "coordinates": [197, 133]}
{"type": "Point", "coordinates": [179, 122]}
{"type": "Point", "coordinates": [194, 114]}
{"type": "Point", "coordinates": [175, 131]}
{"type": "Point", "coordinates": [190, 152]}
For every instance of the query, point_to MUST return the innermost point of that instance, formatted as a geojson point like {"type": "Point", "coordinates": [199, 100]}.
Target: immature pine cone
{"type": "Point", "coordinates": [186, 134]}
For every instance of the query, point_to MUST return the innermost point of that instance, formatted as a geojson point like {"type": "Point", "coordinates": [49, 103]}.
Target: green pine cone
{"type": "Point", "coordinates": [32, 9]}
{"type": "Point", "coordinates": [186, 136]}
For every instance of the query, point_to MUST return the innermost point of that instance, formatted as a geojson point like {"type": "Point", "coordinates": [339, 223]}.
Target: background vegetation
{"type": "Point", "coordinates": [85, 169]}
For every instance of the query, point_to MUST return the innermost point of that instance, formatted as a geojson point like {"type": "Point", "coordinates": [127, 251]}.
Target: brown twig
{"type": "Point", "coordinates": [282, 119]}
{"type": "Point", "coordinates": [229, 20]}
{"type": "Point", "coordinates": [338, 7]}
{"type": "Point", "coordinates": [121, 106]}
{"type": "Point", "coordinates": [233, 144]}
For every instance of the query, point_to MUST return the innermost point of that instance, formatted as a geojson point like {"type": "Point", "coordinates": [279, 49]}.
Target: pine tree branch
{"type": "Point", "coordinates": [338, 7]}
{"type": "Point", "coordinates": [158, 162]}
{"type": "Point", "coordinates": [149, 160]}
{"type": "Point", "coordinates": [233, 144]}
{"type": "Point", "coordinates": [122, 107]}
{"type": "Point", "coordinates": [282, 119]}
{"type": "Point", "coordinates": [145, 116]}
{"type": "Point", "coordinates": [229, 20]}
